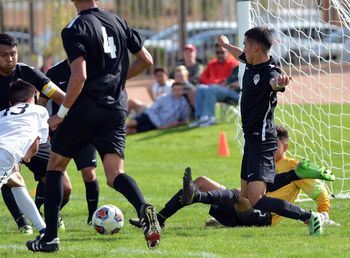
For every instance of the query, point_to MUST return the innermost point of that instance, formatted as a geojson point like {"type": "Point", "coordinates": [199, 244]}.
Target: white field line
{"type": "Point", "coordinates": [122, 250]}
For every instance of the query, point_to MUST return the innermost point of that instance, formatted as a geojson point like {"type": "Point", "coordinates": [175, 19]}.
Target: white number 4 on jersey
{"type": "Point", "coordinates": [108, 44]}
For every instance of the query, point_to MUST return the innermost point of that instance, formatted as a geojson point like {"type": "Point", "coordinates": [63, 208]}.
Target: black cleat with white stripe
{"type": "Point", "coordinates": [150, 225]}
{"type": "Point", "coordinates": [38, 245]}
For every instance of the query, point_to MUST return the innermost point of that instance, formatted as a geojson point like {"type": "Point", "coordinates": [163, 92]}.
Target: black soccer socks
{"type": "Point", "coordinates": [218, 197]}
{"type": "Point", "coordinates": [91, 193]}
{"type": "Point", "coordinates": [40, 195]}
{"type": "Point", "coordinates": [282, 208]}
{"type": "Point", "coordinates": [127, 186]}
{"type": "Point", "coordinates": [12, 206]}
{"type": "Point", "coordinates": [53, 200]}
{"type": "Point", "coordinates": [281, 180]}
{"type": "Point", "coordinates": [170, 208]}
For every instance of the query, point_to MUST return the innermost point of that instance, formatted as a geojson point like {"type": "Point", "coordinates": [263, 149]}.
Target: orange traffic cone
{"type": "Point", "coordinates": [223, 150]}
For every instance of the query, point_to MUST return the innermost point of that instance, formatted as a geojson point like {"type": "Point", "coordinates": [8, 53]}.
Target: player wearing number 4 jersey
{"type": "Point", "coordinates": [94, 111]}
{"type": "Point", "coordinates": [11, 71]}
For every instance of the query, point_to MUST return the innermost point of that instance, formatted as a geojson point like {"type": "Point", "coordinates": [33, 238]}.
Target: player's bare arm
{"type": "Point", "coordinates": [280, 82]}
{"type": "Point", "coordinates": [75, 85]}
{"type": "Point", "coordinates": [143, 61]}
{"type": "Point", "coordinates": [223, 41]}
{"type": "Point", "coordinates": [33, 149]}
{"type": "Point", "coordinates": [42, 101]}
{"type": "Point", "coordinates": [52, 91]}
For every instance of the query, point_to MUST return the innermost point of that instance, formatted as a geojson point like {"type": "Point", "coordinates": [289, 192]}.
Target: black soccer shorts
{"type": "Point", "coordinates": [229, 217]}
{"type": "Point", "coordinates": [38, 163]}
{"type": "Point", "coordinates": [86, 157]}
{"type": "Point", "coordinates": [88, 122]}
{"type": "Point", "coordinates": [226, 215]}
{"type": "Point", "coordinates": [258, 163]}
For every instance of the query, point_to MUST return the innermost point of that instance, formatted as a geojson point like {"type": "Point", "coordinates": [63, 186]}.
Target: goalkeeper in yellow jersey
{"type": "Point", "coordinates": [230, 210]}
{"type": "Point", "coordinates": [314, 188]}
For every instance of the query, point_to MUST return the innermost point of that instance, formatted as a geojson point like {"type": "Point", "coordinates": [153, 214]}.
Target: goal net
{"type": "Point", "coordinates": [312, 43]}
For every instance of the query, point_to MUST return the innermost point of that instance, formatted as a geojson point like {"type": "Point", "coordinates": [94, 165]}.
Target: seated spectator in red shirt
{"type": "Point", "coordinates": [214, 87]}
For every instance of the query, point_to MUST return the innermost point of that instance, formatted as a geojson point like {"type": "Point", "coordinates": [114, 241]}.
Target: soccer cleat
{"type": "Point", "coordinates": [150, 224]}
{"type": "Point", "coordinates": [38, 245]}
{"type": "Point", "coordinates": [26, 229]}
{"type": "Point", "coordinates": [61, 227]}
{"type": "Point", "coordinates": [315, 224]}
{"type": "Point", "coordinates": [188, 189]}
{"type": "Point", "coordinates": [306, 169]}
{"type": "Point", "coordinates": [135, 222]}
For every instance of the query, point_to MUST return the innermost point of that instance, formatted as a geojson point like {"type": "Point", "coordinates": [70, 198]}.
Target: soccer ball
{"type": "Point", "coordinates": [108, 219]}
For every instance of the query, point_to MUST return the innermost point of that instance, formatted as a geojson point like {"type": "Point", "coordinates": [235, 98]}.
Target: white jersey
{"type": "Point", "coordinates": [20, 125]}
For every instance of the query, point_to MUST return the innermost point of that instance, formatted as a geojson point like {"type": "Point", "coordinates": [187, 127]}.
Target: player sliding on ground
{"type": "Point", "coordinates": [226, 205]}
{"type": "Point", "coordinates": [23, 126]}
{"type": "Point", "coordinates": [286, 186]}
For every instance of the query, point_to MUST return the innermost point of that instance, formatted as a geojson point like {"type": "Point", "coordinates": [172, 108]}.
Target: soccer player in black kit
{"type": "Point", "coordinates": [94, 111]}
{"type": "Point", "coordinates": [261, 81]}
{"type": "Point", "coordinates": [10, 71]}
{"type": "Point", "coordinates": [85, 159]}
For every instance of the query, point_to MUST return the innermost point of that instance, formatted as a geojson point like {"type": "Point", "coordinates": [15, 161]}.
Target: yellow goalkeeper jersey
{"type": "Point", "coordinates": [314, 188]}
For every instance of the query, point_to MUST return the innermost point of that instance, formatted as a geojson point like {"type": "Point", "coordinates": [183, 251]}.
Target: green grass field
{"type": "Point", "coordinates": [157, 160]}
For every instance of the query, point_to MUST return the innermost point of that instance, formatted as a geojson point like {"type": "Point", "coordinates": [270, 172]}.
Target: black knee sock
{"type": "Point", "coordinates": [223, 196]}
{"type": "Point", "coordinates": [53, 200]}
{"type": "Point", "coordinates": [282, 208]}
{"type": "Point", "coordinates": [64, 202]}
{"type": "Point", "coordinates": [40, 195]}
{"type": "Point", "coordinates": [170, 208]}
{"type": "Point", "coordinates": [281, 180]}
{"type": "Point", "coordinates": [11, 204]}
{"type": "Point", "coordinates": [91, 193]}
{"type": "Point", "coordinates": [127, 186]}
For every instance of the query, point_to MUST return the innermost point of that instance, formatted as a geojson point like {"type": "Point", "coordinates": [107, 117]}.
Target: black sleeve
{"type": "Point", "coordinates": [134, 39]}
{"type": "Point", "coordinates": [36, 77]}
{"type": "Point", "coordinates": [50, 74]}
{"type": "Point", "coordinates": [242, 58]}
{"type": "Point", "coordinates": [73, 43]}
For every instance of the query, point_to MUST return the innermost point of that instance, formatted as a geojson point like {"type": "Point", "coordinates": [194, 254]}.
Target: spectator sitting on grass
{"type": "Point", "coordinates": [182, 76]}
{"type": "Point", "coordinates": [167, 111]}
{"type": "Point", "coordinates": [161, 86]}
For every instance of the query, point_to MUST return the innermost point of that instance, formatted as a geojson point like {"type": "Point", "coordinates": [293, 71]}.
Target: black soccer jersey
{"type": "Point", "coordinates": [103, 39]}
{"type": "Point", "coordinates": [258, 98]}
{"type": "Point", "coordinates": [25, 73]}
{"type": "Point", "coordinates": [59, 74]}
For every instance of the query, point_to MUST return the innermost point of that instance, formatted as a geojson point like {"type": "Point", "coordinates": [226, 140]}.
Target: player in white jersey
{"type": "Point", "coordinates": [23, 126]}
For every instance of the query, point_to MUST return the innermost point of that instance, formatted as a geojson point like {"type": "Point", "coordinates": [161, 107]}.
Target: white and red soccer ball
{"type": "Point", "coordinates": [108, 219]}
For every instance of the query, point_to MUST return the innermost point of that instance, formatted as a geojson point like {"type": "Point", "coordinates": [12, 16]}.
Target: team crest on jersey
{"type": "Point", "coordinates": [256, 78]}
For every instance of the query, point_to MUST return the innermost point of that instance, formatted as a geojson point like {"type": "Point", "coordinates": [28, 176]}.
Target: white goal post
{"type": "Point", "coordinates": [311, 43]}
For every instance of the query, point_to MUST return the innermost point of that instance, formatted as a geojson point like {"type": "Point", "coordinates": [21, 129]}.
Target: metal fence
{"type": "Point", "coordinates": [38, 24]}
